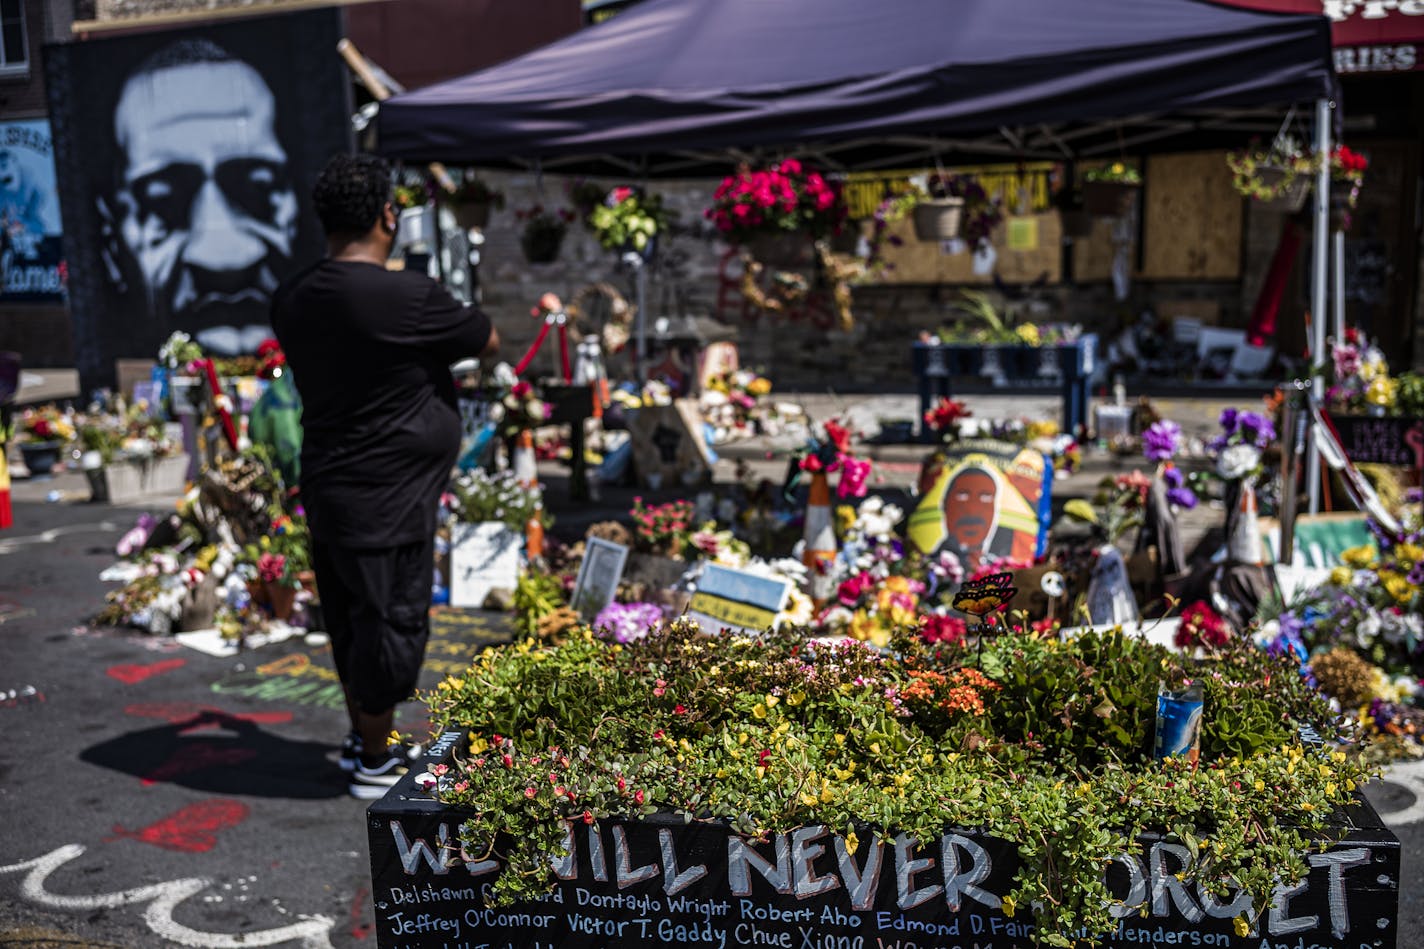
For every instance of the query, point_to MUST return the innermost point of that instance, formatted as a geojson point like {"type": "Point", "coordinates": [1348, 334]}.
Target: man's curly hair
{"type": "Point", "coordinates": [350, 193]}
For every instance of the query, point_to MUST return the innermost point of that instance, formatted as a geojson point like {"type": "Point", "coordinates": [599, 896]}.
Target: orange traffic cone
{"type": "Point", "coordinates": [820, 538]}
{"type": "Point", "coordinates": [526, 472]}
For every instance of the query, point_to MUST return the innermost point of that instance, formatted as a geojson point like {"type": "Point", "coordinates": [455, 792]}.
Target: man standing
{"type": "Point", "coordinates": [370, 351]}
{"type": "Point", "coordinates": [203, 216]}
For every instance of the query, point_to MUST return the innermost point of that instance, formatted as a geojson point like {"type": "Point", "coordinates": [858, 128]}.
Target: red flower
{"type": "Point", "coordinates": [638, 797]}
{"type": "Point", "coordinates": [520, 389]}
{"type": "Point", "coordinates": [588, 817]}
{"type": "Point", "coordinates": [945, 414]}
{"type": "Point", "coordinates": [839, 436]}
{"type": "Point", "coordinates": [622, 193]}
{"type": "Point", "coordinates": [507, 760]}
{"type": "Point", "coordinates": [764, 757]}
{"type": "Point", "coordinates": [680, 710]}
{"type": "Point", "coordinates": [530, 792]}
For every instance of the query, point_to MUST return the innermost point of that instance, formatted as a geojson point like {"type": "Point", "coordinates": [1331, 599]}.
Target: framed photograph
{"type": "Point", "coordinates": [598, 576]}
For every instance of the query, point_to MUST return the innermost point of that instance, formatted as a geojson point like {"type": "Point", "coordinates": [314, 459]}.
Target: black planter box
{"type": "Point", "coordinates": [663, 882]}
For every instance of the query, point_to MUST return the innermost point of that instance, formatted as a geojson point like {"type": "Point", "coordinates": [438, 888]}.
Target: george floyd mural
{"type": "Point", "coordinates": [185, 160]}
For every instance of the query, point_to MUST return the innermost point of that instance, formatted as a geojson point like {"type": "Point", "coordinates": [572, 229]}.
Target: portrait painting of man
{"type": "Point", "coordinates": [186, 158]}
{"type": "Point", "coordinates": [983, 503]}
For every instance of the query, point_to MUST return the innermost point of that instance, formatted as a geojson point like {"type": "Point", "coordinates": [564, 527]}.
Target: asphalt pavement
{"type": "Point", "coordinates": [153, 795]}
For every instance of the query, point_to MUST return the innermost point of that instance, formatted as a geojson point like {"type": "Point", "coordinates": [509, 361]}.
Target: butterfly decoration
{"type": "Point", "coordinates": [982, 596]}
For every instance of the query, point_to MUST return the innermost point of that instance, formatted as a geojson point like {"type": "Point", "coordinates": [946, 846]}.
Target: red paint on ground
{"type": "Point", "coordinates": [131, 674]}
{"type": "Point", "coordinates": [191, 829]}
{"type": "Point", "coordinates": [359, 928]}
{"type": "Point", "coordinates": [175, 712]}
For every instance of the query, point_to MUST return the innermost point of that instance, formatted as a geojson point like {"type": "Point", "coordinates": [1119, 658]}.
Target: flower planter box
{"type": "Point", "coordinates": [122, 481]}
{"type": "Point", "coordinates": [936, 364]}
{"type": "Point", "coordinates": [660, 881]}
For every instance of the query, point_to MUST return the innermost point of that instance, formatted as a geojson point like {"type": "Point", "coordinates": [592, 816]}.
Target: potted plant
{"type": "Point", "coordinates": [1108, 190]}
{"type": "Point", "coordinates": [130, 456]}
{"type": "Point", "coordinates": [1347, 171]}
{"type": "Point", "coordinates": [951, 206]}
{"type": "Point", "coordinates": [43, 435]}
{"type": "Point", "coordinates": [543, 232]}
{"type": "Point", "coordinates": [1278, 177]}
{"type": "Point", "coordinates": [406, 196]}
{"type": "Point", "coordinates": [776, 212]}
{"type": "Point", "coordinates": [472, 201]}
{"type": "Point", "coordinates": [629, 220]}
{"type": "Point", "coordinates": [585, 195]}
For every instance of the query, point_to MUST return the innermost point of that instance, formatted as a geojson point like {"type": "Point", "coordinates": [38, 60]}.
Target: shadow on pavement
{"type": "Point", "coordinates": [222, 754]}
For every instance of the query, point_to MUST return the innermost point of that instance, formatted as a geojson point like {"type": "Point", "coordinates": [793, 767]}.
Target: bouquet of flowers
{"type": "Point", "coordinates": [46, 424]}
{"type": "Point", "coordinates": [828, 451]}
{"type": "Point", "coordinates": [178, 351]}
{"type": "Point", "coordinates": [479, 496]}
{"type": "Point", "coordinates": [788, 197]}
{"type": "Point", "coordinates": [944, 418]}
{"type": "Point", "coordinates": [1237, 450]}
{"type": "Point", "coordinates": [628, 218]}
{"type": "Point", "coordinates": [1359, 378]}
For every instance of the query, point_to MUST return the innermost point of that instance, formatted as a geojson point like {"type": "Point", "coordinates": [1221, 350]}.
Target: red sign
{"type": "Point", "coordinates": [1369, 35]}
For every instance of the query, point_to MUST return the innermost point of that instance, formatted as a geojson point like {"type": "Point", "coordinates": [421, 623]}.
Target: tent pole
{"type": "Point", "coordinates": [1338, 249]}
{"type": "Point", "coordinates": [1319, 278]}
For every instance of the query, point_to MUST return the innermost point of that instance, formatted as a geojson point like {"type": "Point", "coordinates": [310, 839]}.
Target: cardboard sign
{"type": "Point", "coordinates": [483, 557]}
{"type": "Point", "coordinates": [598, 576]}
{"type": "Point", "coordinates": [988, 498]}
{"type": "Point", "coordinates": [1382, 440]}
{"type": "Point", "coordinates": [669, 445]}
{"type": "Point", "coordinates": [728, 599]}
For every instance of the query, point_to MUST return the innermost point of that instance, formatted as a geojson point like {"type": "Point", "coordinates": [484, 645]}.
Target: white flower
{"type": "Point", "coordinates": [1367, 628]}
{"type": "Point", "coordinates": [1237, 461]}
{"type": "Point", "coordinates": [504, 376]}
{"type": "Point", "coordinates": [799, 610]}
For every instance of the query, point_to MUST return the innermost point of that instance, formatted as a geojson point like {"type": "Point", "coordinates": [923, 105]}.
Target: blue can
{"type": "Point", "coordinates": [1179, 721]}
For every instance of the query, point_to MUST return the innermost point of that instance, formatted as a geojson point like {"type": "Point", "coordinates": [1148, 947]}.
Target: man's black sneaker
{"type": "Point", "coordinates": [371, 783]}
{"type": "Point", "coordinates": [350, 752]}
{"type": "Point", "coordinates": [352, 746]}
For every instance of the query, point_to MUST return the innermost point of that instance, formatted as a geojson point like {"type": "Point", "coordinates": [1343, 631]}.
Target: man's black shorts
{"type": "Point", "coordinates": [376, 604]}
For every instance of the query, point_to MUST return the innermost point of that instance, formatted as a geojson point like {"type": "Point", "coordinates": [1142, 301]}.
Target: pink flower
{"type": "Point", "coordinates": [530, 793]}
{"type": "Point", "coordinates": [622, 193]}
{"type": "Point", "coordinates": [854, 473]}
{"type": "Point", "coordinates": [789, 166]}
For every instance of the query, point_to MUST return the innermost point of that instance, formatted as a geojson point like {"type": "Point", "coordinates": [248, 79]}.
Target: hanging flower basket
{"type": "Point", "coordinates": [938, 219]}
{"type": "Point", "coordinates": [541, 247]}
{"type": "Point", "coordinates": [471, 215]}
{"type": "Point", "coordinates": [789, 249]}
{"type": "Point", "coordinates": [1292, 196]}
{"type": "Point", "coordinates": [1108, 198]}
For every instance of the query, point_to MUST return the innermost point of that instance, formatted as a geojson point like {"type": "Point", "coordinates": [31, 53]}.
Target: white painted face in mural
{"type": "Point", "coordinates": [204, 210]}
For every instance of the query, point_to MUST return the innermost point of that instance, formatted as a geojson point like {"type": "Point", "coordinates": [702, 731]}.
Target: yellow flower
{"type": "Point", "coordinates": [1340, 576]}
{"type": "Point", "coordinates": [1260, 785]}
{"type": "Point", "coordinates": [845, 518]}
{"type": "Point", "coordinates": [852, 842]}
{"type": "Point", "coordinates": [1307, 806]}
{"type": "Point", "coordinates": [1381, 392]}
{"type": "Point", "coordinates": [1028, 334]}
{"type": "Point", "coordinates": [795, 699]}
{"type": "Point", "coordinates": [771, 701]}
{"type": "Point", "coordinates": [759, 711]}
{"type": "Point", "coordinates": [759, 386]}
{"type": "Point", "coordinates": [1409, 554]}
{"type": "Point", "coordinates": [1361, 557]}
{"type": "Point", "coordinates": [1399, 588]}
{"type": "Point", "coordinates": [1242, 927]}
{"type": "Point", "coordinates": [1008, 906]}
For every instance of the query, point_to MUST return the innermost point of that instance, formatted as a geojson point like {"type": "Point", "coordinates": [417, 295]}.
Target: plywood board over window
{"type": "Point", "coordinates": [1192, 219]}
{"type": "Point", "coordinates": [1039, 255]}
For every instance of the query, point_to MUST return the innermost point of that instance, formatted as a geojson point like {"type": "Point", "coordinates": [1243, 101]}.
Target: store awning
{"type": "Point", "coordinates": [1375, 37]}
{"type": "Point", "coordinates": [668, 86]}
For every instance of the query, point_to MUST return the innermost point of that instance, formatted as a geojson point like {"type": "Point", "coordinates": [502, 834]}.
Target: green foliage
{"type": "Point", "coordinates": [629, 218]}
{"type": "Point", "coordinates": [536, 595]}
{"type": "Point", "coordinates": [1409, 396]}
{"type": "Point", "coordinates": [1030, 740]}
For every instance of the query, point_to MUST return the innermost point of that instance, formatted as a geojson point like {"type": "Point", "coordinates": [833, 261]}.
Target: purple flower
{"type": "Point", "coordinates": [628, 621]}
{"type": "Point", "coordinates": [1173, 477]}
{"type": "Point", "coordinates": [1162, 440]}
{"type": "Point", "coordinates": [1228, 420]}
{"type": "Point", "coordinates": [1256, 429]}
{"type": "Point", "coordinates": [1183, 498]}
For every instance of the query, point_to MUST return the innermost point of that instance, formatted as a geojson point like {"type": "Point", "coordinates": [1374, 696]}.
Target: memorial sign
{"type": "Point", "coordinates": [662, 881]}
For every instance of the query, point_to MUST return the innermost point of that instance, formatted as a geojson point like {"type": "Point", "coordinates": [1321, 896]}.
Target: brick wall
{"type": "Point", "coordinates": [804, 351]}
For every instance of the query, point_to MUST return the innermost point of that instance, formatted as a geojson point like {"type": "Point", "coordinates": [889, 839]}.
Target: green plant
{"type": "Point", "coordinates": [663, 529]}
{"type": "Point", "coordinates": [1409, 395]}
{"type": "Point", "coordinates": [628, 218]}
{"type": "Point", "coordinates": [1035, 741]}
{"type": "Point", "coordinates": [1115, 508]}
{"type": "Point", "coordinates": [1266, 174]}
{"type": "Point", "coordinates": [1117, 172]}
{"type": "Point", "coordinates": [409, 196]}
{"type": "Point", "coordinates": [475, 190]}
{"type": "Point", "coordinates": [788, 197]}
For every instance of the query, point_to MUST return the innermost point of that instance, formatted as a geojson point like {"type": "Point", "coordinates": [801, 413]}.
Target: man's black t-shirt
{"type": "Point", "coordinates": [370, 351]}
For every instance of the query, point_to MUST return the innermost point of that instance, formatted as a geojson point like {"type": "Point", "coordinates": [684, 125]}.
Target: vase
{"type": "Point", "coordinates": [471, 214]}
{"type": "Point", "coordinates": [281, 598]}
{"type": "Point", "coordinates": [1108, 198]}
{"type": "Point", "coordinates": [41, 457]}
{"type": "Point", "coordinates": [790, 249]}
{"type": "Point", "coordinates": [541, 247]}
{"type": "Point", "coordinates": [938, 219]}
